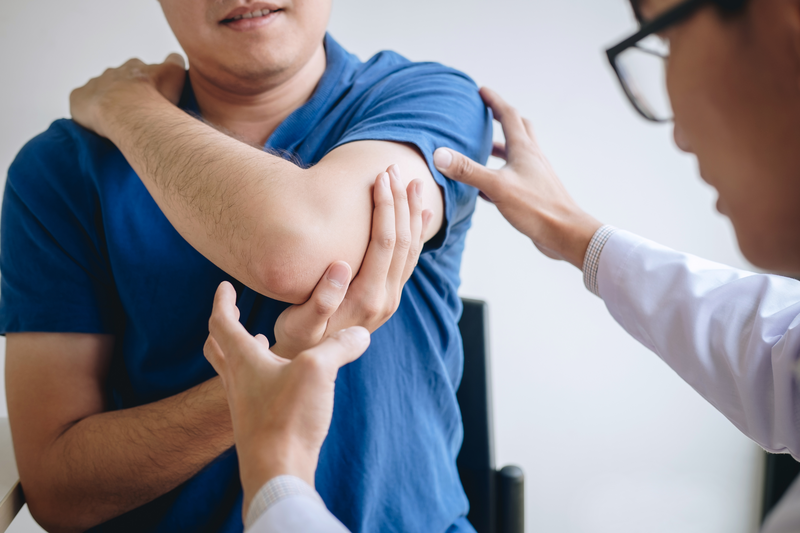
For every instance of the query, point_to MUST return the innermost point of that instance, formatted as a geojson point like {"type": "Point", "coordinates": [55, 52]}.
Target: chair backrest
{"type": "Point", "coordinates": [780, 471]}
{"type": "Point", "coordinates": [476, 460]}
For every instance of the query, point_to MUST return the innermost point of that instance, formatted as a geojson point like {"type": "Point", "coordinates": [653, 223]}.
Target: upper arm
{"type": "Point", "coordinates": [53, 380]}
{"type": "Point", "coordinates": [408, 115]}
{"type": "Point", "coordinates": [54, 279]}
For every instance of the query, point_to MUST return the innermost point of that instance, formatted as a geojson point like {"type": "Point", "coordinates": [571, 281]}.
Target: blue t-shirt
{"type": "Point", "coordinates": [86, 249]}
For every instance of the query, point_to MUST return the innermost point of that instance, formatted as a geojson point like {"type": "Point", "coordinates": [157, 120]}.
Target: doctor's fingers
{"type": "Point", "coordinates": [420, 219]}
{"type": "Point", "coordinates": [405, 200]}
{"type": "Point", "coordinates": [304, 325]}
{"type": "Point", "coordinates": [337, 350]}
{"type": "Point", "coordinates": [214, 355]}
{"type": "Point", "coordinates": [234, 341]}
{"type": "Point", "coordinates": [513, 124]}
{"type": "Point", "coordinates": [370, 282]}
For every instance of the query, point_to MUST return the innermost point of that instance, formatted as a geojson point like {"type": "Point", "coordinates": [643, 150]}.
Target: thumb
{"type": "Point", "coordinates": [170, 76]}
{"type": "Point", "coordinates": [306, 322]}
{"type": "Point", "coordinates": [176, 59]}
{"type": "Point", "coordinates": [342, 347]}
{"type": "Point", "coordinates": [461, 168]}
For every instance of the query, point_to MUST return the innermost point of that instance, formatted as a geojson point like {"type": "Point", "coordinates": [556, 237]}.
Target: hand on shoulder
{"type": "Point", "coordinates": [526, 190]}
{"type": "Point", "coordinates": [94, 103]}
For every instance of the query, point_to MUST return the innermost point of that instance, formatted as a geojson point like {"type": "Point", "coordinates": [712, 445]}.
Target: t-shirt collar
{"type": "Point", "coordinates": [301, 120]}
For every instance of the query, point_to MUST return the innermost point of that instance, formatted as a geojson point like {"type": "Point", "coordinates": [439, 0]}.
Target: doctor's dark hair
{"type": "Point", "coordinates": [727, 7]}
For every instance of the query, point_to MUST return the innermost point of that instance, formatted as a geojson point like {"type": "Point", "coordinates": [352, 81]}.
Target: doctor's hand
{"type": "Point", "coordinates": [398, 224]}
{"type": "Point", "coordinates": [281, 410]}
{"type": "Point", "coordinates": [526, 190]}
{"type": "Point", "coordinates": [98, 102]}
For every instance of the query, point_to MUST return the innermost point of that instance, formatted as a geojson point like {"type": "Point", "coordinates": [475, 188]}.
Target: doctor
{"type": "Point", "coordinates": [733, 78]}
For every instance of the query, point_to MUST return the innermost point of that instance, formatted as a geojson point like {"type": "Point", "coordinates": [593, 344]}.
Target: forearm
{"type": "Point", "coordinates": [232, 202]}
{"type": "Point", "coordinates": [731, 334]}
{"type": "Point", "coordinates": [113, 462]}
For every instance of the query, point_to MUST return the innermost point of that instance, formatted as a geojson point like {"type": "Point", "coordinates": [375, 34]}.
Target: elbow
{"type": "Point", "coordinates": [288, 274]}
{"type": "Point", "coordinates": [52, 512]}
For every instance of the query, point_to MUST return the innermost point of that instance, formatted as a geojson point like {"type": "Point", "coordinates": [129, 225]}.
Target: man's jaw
{"type": "Point", "coordinates": [251, 17]}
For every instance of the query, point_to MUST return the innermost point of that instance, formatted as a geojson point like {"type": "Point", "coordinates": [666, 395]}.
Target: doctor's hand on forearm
{"type": "Point", "coordinates": [398, 226]}
{"type": "Point", "coordinates": [281, 410]}
{"type": "Point", "coordinates": [526, 190]}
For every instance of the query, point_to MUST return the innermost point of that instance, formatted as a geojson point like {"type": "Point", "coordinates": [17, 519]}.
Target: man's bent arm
{"type": "Point", "coordinates": [80, 465]}
{"type": "Point", "coordinates": [269, 223]}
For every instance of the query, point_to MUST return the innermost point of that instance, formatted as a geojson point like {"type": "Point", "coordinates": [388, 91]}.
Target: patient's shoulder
{"type": "Point", "coordinates": [389, 68]}
{"type": "Point", "coordinates": [53, 167]}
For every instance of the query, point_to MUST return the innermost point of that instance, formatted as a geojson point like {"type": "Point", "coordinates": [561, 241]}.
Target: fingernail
{"type": "Point", "coordinates": [339, 274]}
{"type": "Point", "coordinates": [418, 185]}
{"type": "Point", "coordinates": [360, 334]}
{"type": "Point", "coordinates": [394, 172]}
{"type": "Point", "coordinates": [385, 179]}
{"type": "Point", "coordinates": [442, 158]}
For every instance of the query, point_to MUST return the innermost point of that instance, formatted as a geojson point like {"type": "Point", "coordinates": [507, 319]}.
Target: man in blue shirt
{"type": "Point", "coordinates": [112, 251]}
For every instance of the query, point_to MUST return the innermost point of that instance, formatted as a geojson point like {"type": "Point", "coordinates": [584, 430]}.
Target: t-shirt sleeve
{"type": "Point", "coordinates": [53, 275]}
{"type": "Point", "coordinates": [429, 106]}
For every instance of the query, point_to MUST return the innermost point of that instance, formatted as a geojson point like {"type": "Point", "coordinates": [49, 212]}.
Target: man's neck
{"type": "Point", "coordinates": [253, 117]}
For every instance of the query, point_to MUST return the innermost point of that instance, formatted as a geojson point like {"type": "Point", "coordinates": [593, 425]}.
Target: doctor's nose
{"type": "Point", "coordinates": [680, 139]}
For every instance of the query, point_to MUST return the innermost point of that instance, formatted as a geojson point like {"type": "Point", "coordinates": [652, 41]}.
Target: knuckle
{"type": "Point", "coordinates": [325, 305]}
{"type": "Point", "coordinates": [464, 166]}
{"type": "Point", "coordinates": [372, 309]}
{"type": "Point", "coordinates": [310, 363]}
{"type": "Point", "coordinates": [387, 241]}
{"type": "Point", "coordinates": [403, 241]}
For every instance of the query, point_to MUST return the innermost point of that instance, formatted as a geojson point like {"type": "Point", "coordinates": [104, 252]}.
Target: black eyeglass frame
{"type": "Point", "coordinates": [675, 15]}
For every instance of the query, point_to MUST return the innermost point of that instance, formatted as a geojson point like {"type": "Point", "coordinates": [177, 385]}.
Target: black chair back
{"type": "Point", "coordinates": [780, 471]}
{"type": "Point", "coordinates": [496, 498]}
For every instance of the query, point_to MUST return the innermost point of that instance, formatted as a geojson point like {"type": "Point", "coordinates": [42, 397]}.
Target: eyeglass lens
{"type": "Point", "coordinates": [642, 69]}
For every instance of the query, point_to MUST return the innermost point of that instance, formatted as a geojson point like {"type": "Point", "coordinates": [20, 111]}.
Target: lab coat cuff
{"type": "Point", "coordinates": [591, 260]}
{"type": "Point", "coordinates": [275, 490]}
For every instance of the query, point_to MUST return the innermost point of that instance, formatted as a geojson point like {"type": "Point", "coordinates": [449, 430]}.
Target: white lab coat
{"type": "Point", "coordinates": [732, 335]}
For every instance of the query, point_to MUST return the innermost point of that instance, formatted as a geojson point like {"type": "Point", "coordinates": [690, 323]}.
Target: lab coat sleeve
{"type": "Point", "coordinates": [733, 335]}
{"type": "Point", "coordinates": [297, 514]}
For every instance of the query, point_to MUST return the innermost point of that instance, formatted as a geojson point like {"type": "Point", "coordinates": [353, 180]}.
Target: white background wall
{"type": "Point", "coordinates": [610, 439]}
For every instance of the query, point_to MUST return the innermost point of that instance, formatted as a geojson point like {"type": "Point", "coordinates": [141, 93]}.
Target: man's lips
{"type": "Point", "coordinates": [251, 23]}
{"type": "Point", "coordinates": [251, 11]}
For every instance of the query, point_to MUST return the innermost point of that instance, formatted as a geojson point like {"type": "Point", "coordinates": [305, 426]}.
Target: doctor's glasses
{"type": "Point", "coordinates": [640, 61]}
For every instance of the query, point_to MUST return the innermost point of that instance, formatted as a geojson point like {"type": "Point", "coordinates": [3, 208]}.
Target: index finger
{"type": "Point", "coordinates": [225, 327]}
{"type": "Point", "coordinates": [380, 249]}
{"type": "Point", "coordinates": [508, 117]}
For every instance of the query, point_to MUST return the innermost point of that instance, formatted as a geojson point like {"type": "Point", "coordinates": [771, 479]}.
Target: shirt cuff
{"type": "Point", "coordinates": [591, 261]}
{"type": "Point", "coordinates": [274, 491]}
